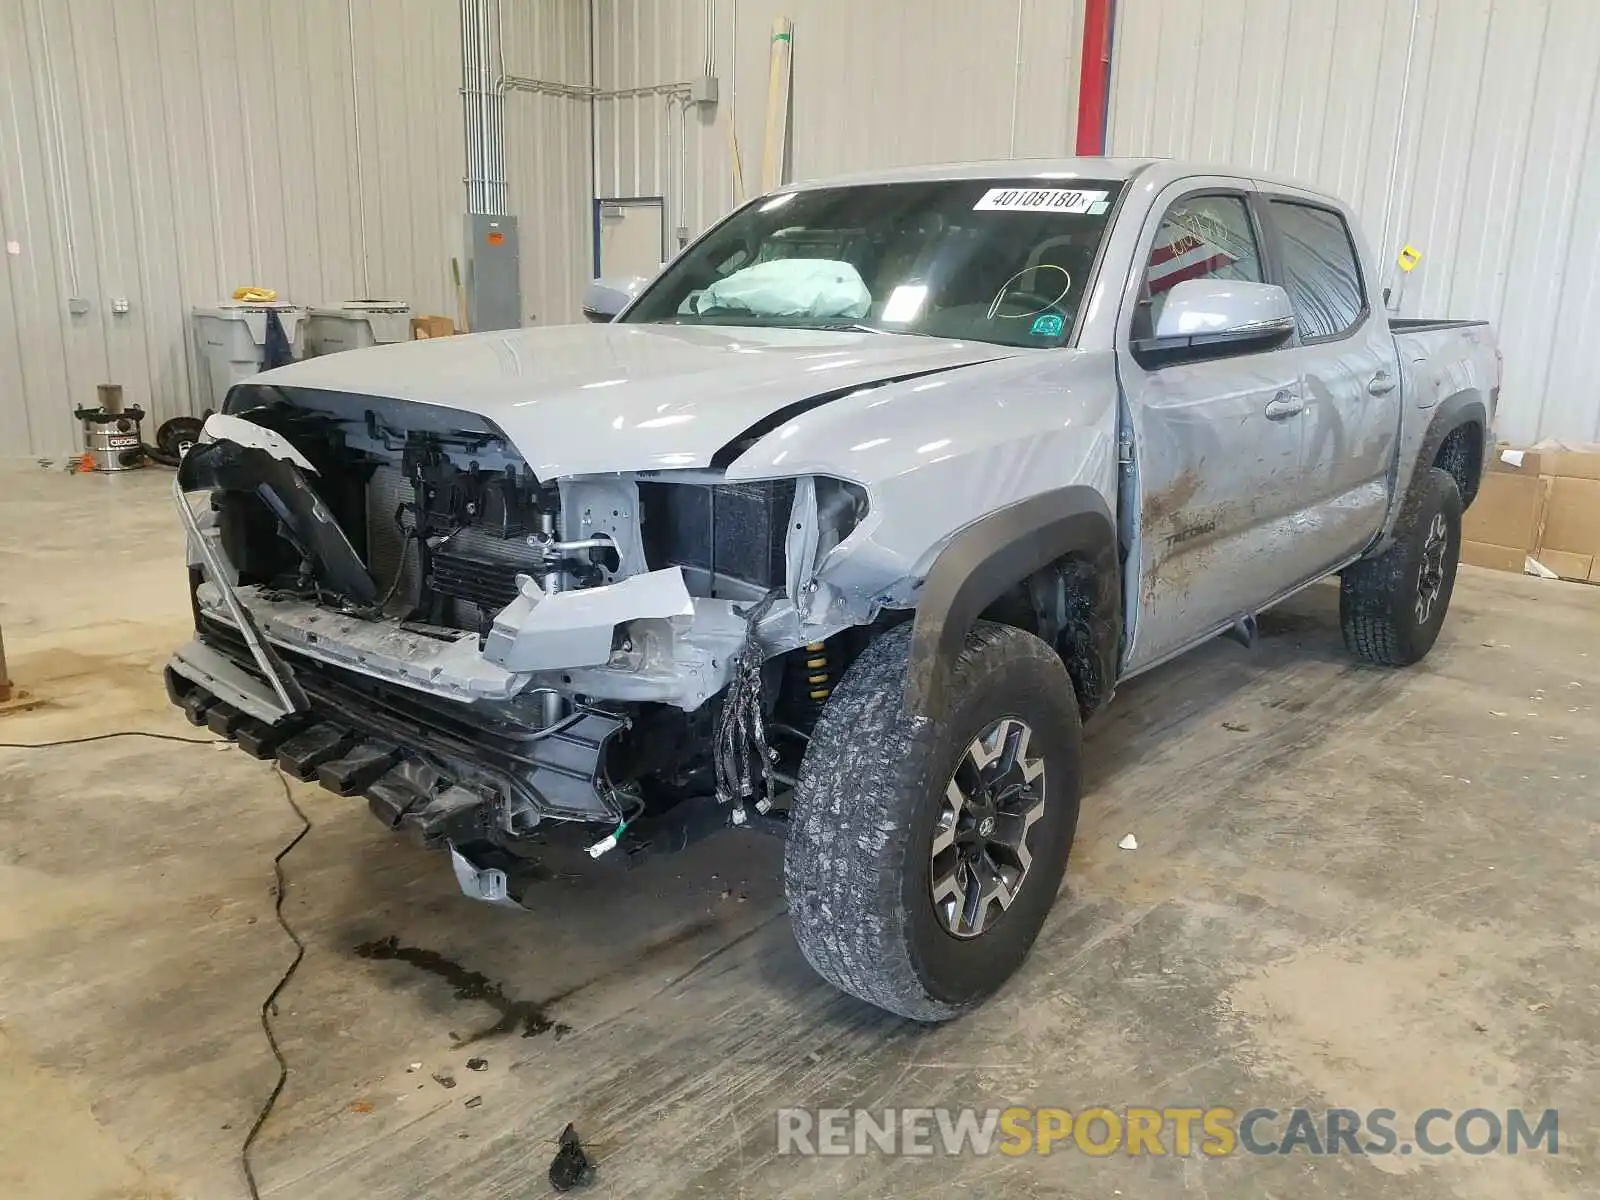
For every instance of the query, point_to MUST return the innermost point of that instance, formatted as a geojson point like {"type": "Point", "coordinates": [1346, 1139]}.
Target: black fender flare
{"type": "Point", "coordinates": [1449, 415]}
{"type": "Point", "coordinates": [987, 558]}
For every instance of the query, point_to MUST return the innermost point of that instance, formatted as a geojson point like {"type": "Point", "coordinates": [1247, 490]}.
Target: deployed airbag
{"type": "Point", "coordinates": [791, 287]}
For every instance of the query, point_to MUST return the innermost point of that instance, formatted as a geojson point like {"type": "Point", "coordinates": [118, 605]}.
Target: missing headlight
{"type": "Point", "coordinates": [727, 537]}
{"type": "Point", "coordinates": [841, 506]}
{"type": "Point", "coordinates": [731, 538]}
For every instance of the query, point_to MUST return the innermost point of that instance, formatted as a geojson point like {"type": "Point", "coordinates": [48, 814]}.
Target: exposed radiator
{"type": "Point", "coordinates": [474, 569]}
{"type": "Point", "coordinates": [386, 491]}
{"type": "Point", "coordinates": [488, 583]}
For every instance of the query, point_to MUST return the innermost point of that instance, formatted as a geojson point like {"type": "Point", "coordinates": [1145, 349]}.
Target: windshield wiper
{"type": "Point", "coordinates": [863, 327]}
{"type": "Point", "coordinates": [829, 326]}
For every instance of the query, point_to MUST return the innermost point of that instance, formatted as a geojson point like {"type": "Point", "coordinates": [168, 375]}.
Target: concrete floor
{"type": "Point", "coordinates": [1353, 887]}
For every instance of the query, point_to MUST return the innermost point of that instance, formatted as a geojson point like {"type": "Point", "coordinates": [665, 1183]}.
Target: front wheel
{"type": "Point", "coordinates": [1392, 607]}
{"type": "Point", "coordinates": [923, 856]}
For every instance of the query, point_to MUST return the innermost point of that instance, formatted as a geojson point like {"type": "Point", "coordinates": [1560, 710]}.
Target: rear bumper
{"type": "Point", "coordinates": [443, 769]}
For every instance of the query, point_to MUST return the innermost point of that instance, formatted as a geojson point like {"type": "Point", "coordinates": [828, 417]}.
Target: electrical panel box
{"type": "Point", "coordinates": [493, 280]}
{"type": "Point", "coordinates": [703, 90]}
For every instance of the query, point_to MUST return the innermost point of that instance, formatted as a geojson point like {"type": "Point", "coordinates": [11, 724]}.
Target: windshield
{"type": "Point", "coordinates": [980, 259]}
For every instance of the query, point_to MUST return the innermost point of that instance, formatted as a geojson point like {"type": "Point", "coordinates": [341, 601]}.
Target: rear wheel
{"type": "Point", "coordinates": [1392, 607]}
{"type": "Point", "coordinates": [923, 856]}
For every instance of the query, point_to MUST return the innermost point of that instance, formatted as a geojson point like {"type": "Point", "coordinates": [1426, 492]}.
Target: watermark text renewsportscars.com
{"type": "Point", "coordinates": [1138, 1131]}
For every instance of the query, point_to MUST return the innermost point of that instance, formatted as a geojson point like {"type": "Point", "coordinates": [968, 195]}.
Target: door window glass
{"type": "Point", "coordinates": [1203, 237]}
{"type": "Point", "coordinates": [1320, 269]}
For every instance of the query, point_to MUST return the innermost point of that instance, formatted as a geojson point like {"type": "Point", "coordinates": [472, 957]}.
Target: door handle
{"type": "Point", "coordinates": [1382, 384]}
{"type": "Point", "coordinates": [1284, 404]}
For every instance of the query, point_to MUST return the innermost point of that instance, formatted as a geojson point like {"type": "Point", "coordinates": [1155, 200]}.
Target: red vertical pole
{"type": "Point", "coordinates": [1094, 81]}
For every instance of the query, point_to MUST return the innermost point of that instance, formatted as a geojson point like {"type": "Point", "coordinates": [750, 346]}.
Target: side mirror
{"type": "Point", "coordinates": [603, 299]}
{"type": "Point", "coordinates": [1204, 318]}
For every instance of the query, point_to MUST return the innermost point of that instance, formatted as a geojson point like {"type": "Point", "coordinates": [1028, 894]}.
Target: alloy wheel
{"type": "Point", "coordinates": [980, 854]}
{"type": "Point", "coordinates": [1430, 578]}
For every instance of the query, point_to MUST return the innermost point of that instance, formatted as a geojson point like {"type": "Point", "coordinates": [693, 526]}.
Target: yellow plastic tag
{"type": "Point", "coordinates": [1410, 256]}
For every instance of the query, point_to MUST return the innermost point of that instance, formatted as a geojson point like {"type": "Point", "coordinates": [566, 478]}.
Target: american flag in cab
{"type": "Point", "coordinates": [1193, 245]}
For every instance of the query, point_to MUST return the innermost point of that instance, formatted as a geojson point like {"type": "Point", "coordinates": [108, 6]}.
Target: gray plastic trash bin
{"type": "Point", "coordinates": [232, 336]}
{"type": "Point", "coordinates": [357, 324]}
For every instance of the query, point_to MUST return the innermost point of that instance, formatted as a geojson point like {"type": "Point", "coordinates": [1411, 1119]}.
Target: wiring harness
{"type": "Point", "coordinates": [741, 732]}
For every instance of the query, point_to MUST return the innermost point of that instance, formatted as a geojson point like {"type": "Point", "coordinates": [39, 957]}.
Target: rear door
{"type": "Point", "coordinates": [1214, 486]}
{"type": "Point", "coordinates": [1348, 370]}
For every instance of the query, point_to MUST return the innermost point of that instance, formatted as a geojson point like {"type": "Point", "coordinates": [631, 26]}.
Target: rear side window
{"type": "Point", "coordinates": [1320, 269]}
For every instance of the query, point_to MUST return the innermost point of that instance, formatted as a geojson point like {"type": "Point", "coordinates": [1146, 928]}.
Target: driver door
{"type": "Point", "coordinates": [1214, 481]}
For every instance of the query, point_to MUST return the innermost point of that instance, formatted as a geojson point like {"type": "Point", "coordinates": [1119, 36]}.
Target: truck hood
{"type": "Point", "coordinates": [590, 399]}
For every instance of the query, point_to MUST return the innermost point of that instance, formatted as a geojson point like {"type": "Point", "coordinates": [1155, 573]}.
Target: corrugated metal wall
{"type": "Point", "coordinates": [548, 152]}
{"type": "Point", "coordinates": [881, 83]}
{"type": "Point", "coordinates": [1468, 128]}
{"type": "Point", "coordinates": [168, 151]}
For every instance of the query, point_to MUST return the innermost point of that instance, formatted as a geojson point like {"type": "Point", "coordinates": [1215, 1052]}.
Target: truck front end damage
{"type": "Point", "coordinates": [388, 600]}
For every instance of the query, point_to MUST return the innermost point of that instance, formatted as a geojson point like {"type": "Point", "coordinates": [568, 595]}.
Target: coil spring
{"type": "Point", "coordinates": [811, 673]}
{"type": "Point", "coordinates": [819, 673]}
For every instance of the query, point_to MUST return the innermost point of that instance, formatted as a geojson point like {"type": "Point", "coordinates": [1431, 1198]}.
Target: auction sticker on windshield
{"type": "Point", "coordinates": [1062, 200]}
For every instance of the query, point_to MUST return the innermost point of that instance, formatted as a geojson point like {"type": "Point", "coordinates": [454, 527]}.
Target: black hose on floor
{"type": "Point", "coordinates": [267, 1005]}
{"type": "Point", "coordinates": [103, 737]}
{"type": "Point", "coordinates": [267, 1008]}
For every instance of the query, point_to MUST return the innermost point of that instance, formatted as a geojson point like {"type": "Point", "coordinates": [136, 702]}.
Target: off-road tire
{"type": "Point", "coordinates": [866, 804]}
{"type": "Point", "coordinates": [1378, 597]}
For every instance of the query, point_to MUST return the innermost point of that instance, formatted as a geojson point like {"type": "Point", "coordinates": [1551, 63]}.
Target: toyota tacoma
{"type": "Point", "coordinates": [839, 528]}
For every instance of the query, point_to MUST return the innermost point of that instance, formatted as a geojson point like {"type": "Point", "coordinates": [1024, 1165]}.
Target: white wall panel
{"type": "Point", "coordinates": [1468, 128]}
{"type": "Point", "coordinates": [874, 84]}
{"type": "Point", "coordinates": [169, 151]}
{"type": "Point", "coordinates": [548, 152]}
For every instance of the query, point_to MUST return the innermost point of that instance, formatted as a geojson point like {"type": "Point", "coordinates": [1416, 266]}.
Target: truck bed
{"type": "Point", "coordinates": [1440, 360]}
{"type": "Point", "coordinates": [1427, 324]}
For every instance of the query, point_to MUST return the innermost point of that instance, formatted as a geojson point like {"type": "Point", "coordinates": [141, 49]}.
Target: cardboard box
{"type": "Point", "coordinates": [1572, 519]}
{"type": "Point", "coordinates": [1509, 511]}
{"type": "Point", "coordinates": [1568, 464]}
{"type": "Point", "coordinates": [1567, 564]}
{"type": "Point", "coordinates": [1542, 504]}
{"type": "Point", "coordinates": [431, 327]}
{"type": "Point", "coordinates": [1521, 462]}
{"type": "Point", "coordinates": [1496, 558]}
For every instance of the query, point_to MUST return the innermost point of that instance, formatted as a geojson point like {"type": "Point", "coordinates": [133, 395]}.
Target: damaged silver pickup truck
{"type": "Point", "coordinates": [838, 530]}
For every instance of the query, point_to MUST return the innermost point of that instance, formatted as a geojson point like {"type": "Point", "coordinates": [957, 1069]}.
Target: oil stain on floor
{"type": "Point", "coordinates": [529, 1015]}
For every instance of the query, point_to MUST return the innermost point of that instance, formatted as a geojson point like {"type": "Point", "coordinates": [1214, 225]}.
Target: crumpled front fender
{"type": "Point", "coordinates": [273, 470]}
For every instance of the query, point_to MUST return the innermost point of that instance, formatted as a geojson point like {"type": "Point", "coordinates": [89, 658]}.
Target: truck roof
{"type": "Point", "coordinates": [1012, 168]}
{"type": "Point", "coordinates": [1049, 169]}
